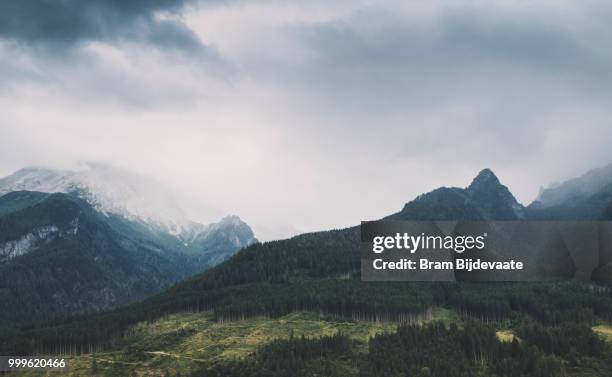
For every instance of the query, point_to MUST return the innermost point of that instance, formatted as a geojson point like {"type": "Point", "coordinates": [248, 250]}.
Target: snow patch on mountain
{"type": "Point", "coordinates": [136, 198]}
{"type": "Point", "coordinates": [108, 190]}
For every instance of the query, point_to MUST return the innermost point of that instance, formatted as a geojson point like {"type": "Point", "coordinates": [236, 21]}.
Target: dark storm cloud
{"type": "Point", "coordinates": [56, 23]}
{"type": "Point", "coordinates": [48, 43]}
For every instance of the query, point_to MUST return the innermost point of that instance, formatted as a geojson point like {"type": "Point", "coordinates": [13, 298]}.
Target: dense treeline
{"type": "Point", "coordinates": [430, 351]}
{"type": "Point", "coordinates": [550, 304]}
{"type": "Point", "coordinates": [437, 351]}
{"type": "Point", "coordinates": [292, 357]}
{"type": "Point", "coordinates": [344, 298]}
{"type": "Point", "coordinates": [315, 272]}
{"type": "Point", "coordinates": [569, 340]}
{"type": "Point", "coordinates": [313, 255]}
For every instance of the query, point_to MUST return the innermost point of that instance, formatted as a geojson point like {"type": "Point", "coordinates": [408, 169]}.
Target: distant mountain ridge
{"type": "Point", "coordinates": [578, 188]}
{"type": "Point", "coordinates": [336, 252]}
{"type": "Point", "coordinates": [136, 198]}
{"type": "Point", "coordinates": [90, 241]}
{"type": "Point", "coordinates": [582, 198]}
{"type": "Point", "coordinates": [59, 256]}
{"type": "Point", "coordinates": [109, 190]}
{"type": "Point", "coordinates": [320, 272]}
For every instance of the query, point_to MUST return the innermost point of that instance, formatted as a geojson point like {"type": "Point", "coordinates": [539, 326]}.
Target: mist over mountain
{"type": "Point", "coordinates": [109, 190]}
{"type": "Point", "coordinates": [73, 242]}
{"type": "Point", "coordinates": [582, 198]}
{"type": "Point", "coordinates": [150, 147]}
{"type": "Point", "coordinates": [320, 271]}
{"type": "Point", "coordinates": [39, 227]}
{"type": "Point", "coordinates": [113, 191]}
{"type": "Point", "coordinates": [59, 256]}
{"type": "Point", "coordinates": [336, 252]}
{"type": "Point", "coordinates": [578, 188]}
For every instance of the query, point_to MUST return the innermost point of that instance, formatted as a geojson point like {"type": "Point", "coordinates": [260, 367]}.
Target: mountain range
{"type": "Point", "coordinates": [580, 188]}
{"type": "Point", "coordinates": [320, 272]}
{"type": "Point", "coordinates": [584, 198]}
{"type": "Point", "coordinates": [335, 253]}
{"type": "Point", "coordinates": [73, 242]}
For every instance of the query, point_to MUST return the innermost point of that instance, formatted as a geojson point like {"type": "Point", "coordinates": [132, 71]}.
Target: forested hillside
{"type": "Point", "coordinates": [58, 256]}
{"type": "Point", "coordinates": [319, 272]}
{"type": "Point", "coordinates": [431, 350]}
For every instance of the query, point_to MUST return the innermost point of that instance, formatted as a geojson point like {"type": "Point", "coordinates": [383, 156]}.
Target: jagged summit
{"type": "Point", "coordinates": [494, 199]}
{"type": "Point", "coordinates": [484, 198]}
{"type": "Point", "coordinates": [231, 220]}
{"type": "Point", "coordinates": [486, 178]}
{"type": "Point", "coordinates": [487, 183]}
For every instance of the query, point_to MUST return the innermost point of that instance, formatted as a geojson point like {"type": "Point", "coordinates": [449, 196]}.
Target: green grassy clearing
{"type": "Point", "coordinates": [180, 341]}
{"type": "Point", "coordinates": [505, 335]}
{"type": "Point", "coordinates": [176, 344]}
{"type": "Point", "coordinates": [605, 331]}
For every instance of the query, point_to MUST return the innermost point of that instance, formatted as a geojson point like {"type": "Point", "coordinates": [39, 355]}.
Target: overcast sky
{"type": "Point", "coordinates": [301, 116]}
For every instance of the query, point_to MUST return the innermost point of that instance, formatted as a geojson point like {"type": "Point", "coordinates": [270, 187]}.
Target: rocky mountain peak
{"type": "Point", "coordinates": [486, 179]}
{"type": "Point", "coordinates": [494, 199]}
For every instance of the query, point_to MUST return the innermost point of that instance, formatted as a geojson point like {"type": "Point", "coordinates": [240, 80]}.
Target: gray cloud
{"type": "Point", "coordinates": [53, 43]}
{"type": "Point", "coordinates": [68, 22]}
{"type": "Point", "coordinates": [335, 112]}
{"type": "Point", "coordinates": [385, 58]}
{"type": "Point", "coordinates": [472, 80]}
